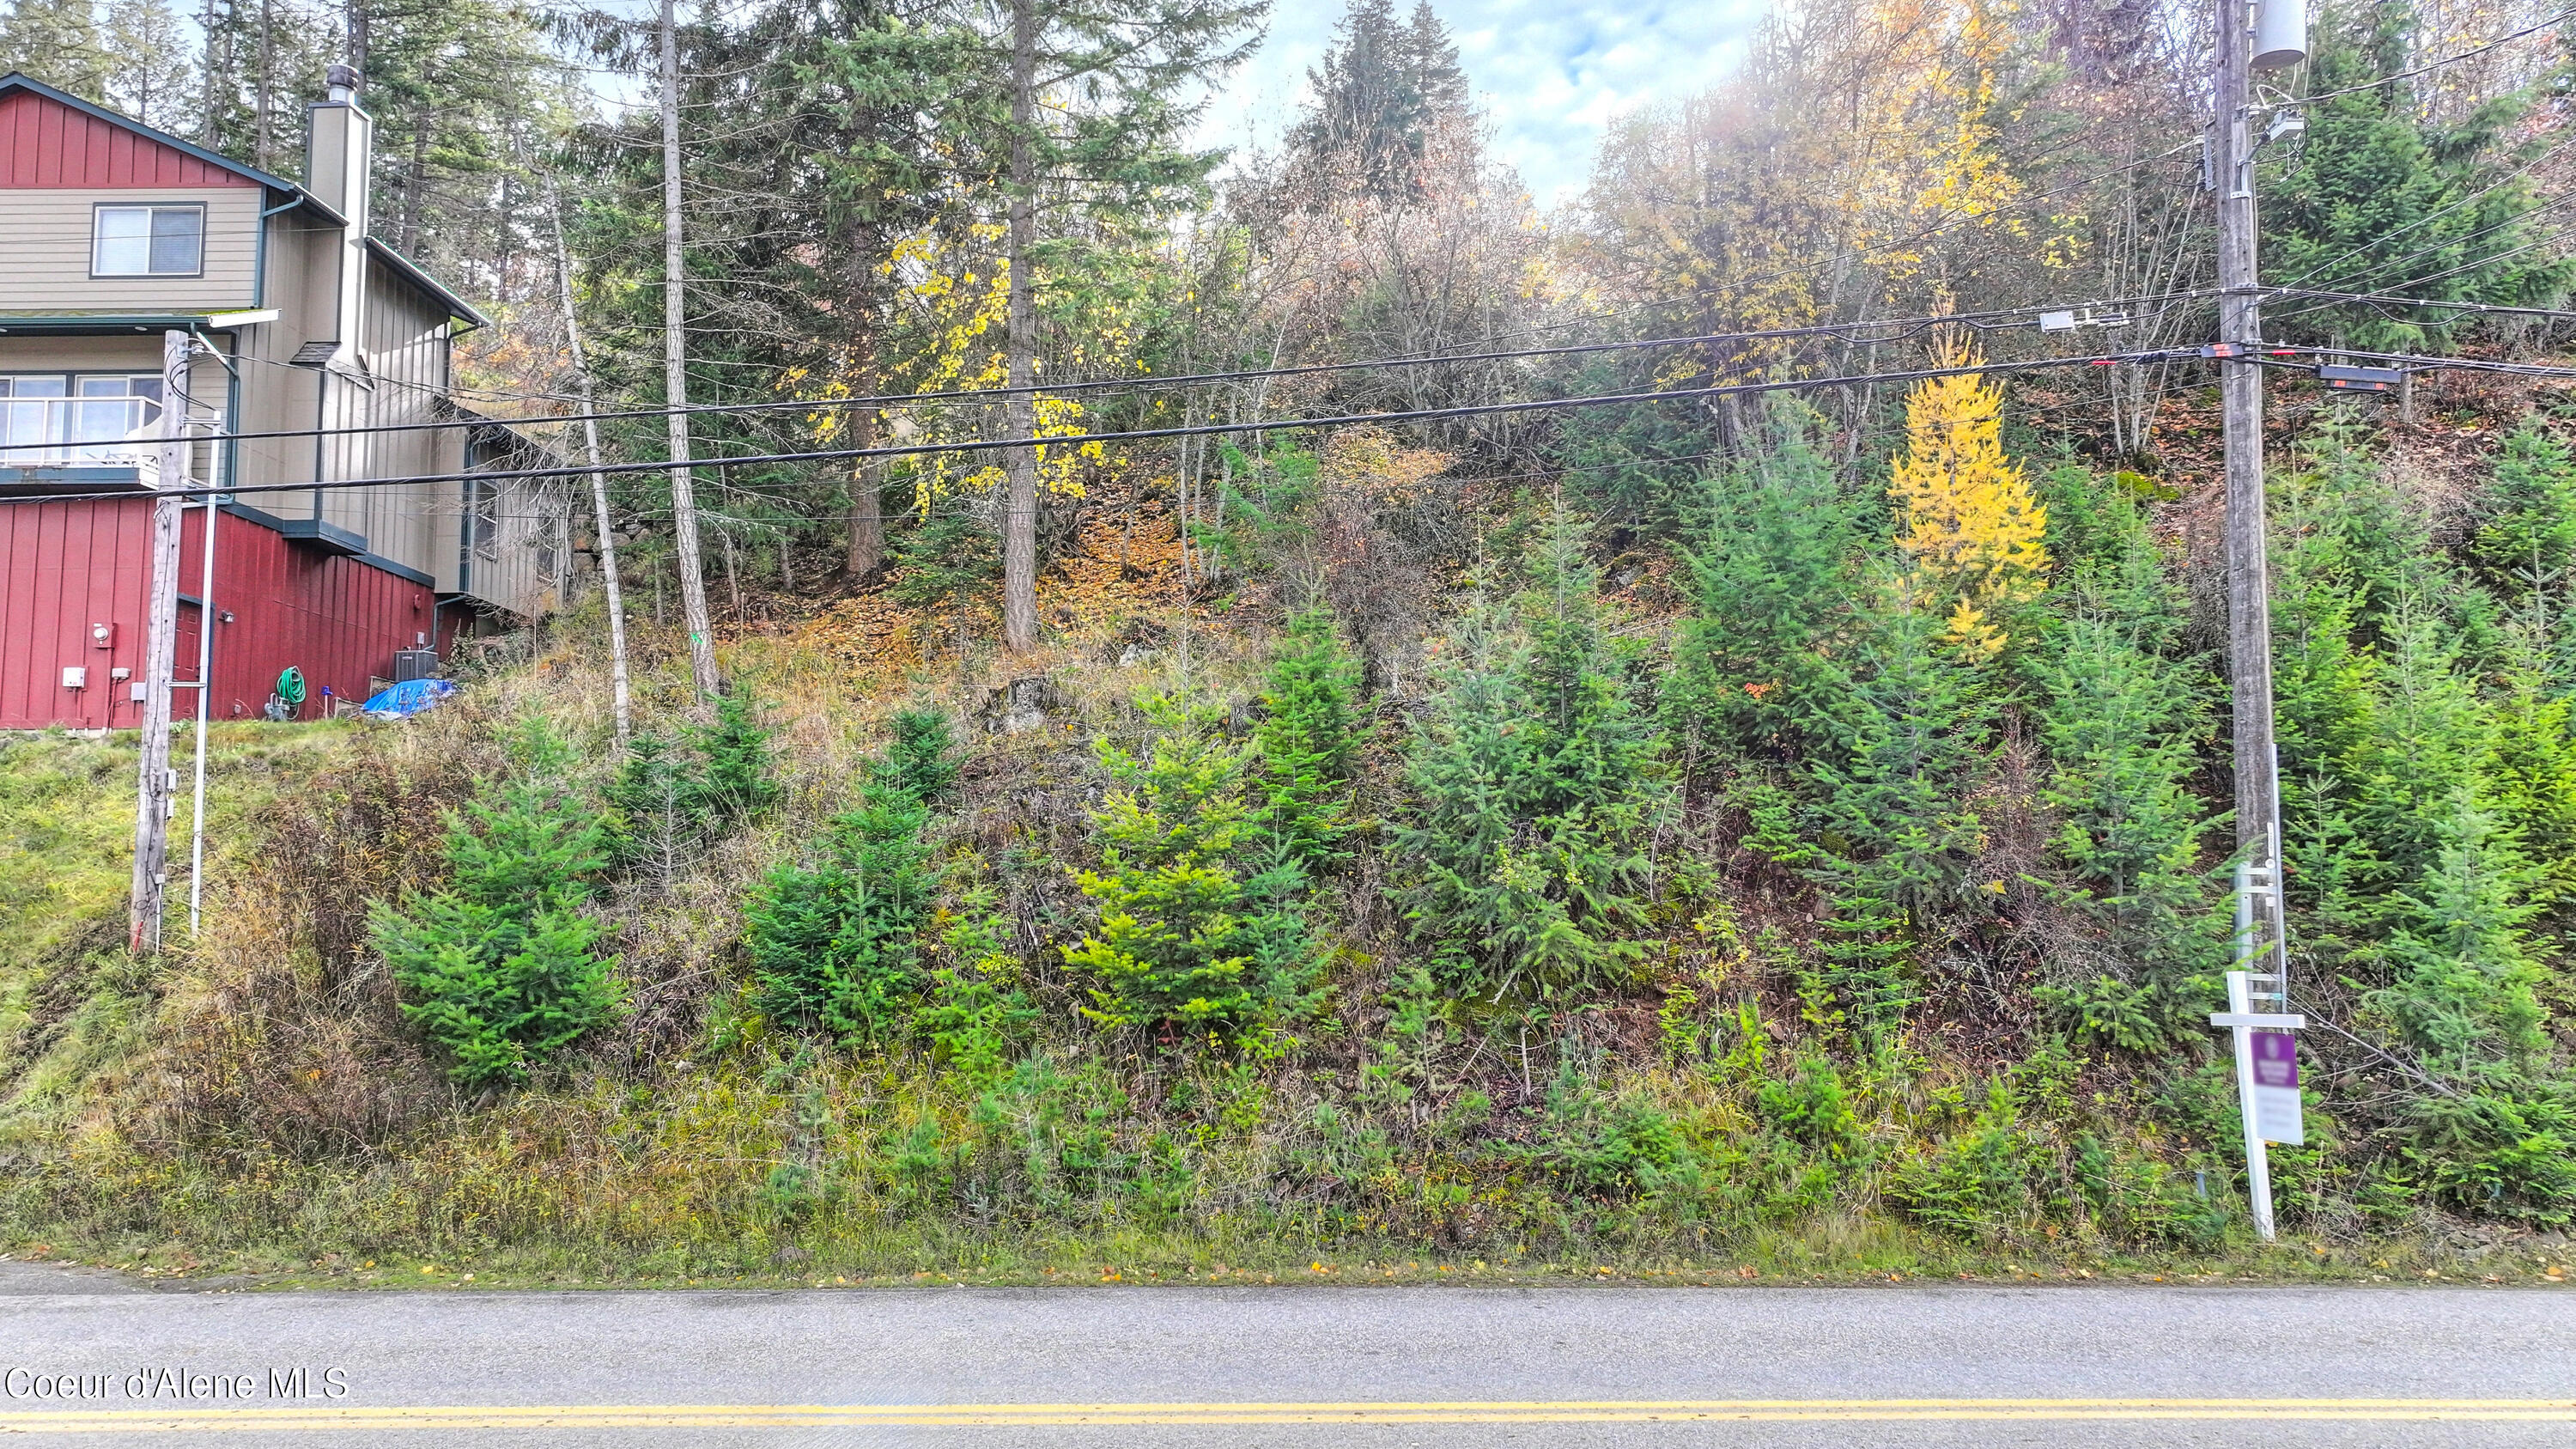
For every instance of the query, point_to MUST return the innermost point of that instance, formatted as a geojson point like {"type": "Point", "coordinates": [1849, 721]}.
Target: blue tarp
{"type": "Point", "coordinates": [409, 698]}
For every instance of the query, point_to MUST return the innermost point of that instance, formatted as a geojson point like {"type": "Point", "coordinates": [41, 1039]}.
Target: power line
{"type": "Point", "coordinates": [1898, 329]}
{"type": "Point", "coordinates": [1186, 431]}
{"type": "Point", "coordinates": [2471, 53]}
{"type": "Point", "coordinates": [2417, 362]}
{"type": "Point", "coordinates": [2393, 299]}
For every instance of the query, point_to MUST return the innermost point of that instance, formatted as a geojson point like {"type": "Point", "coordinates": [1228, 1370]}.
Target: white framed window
{"type": "Point", "coordinates": [148, 241]}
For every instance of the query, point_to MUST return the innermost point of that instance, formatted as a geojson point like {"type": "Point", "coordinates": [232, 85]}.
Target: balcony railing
{"type": "Point", "coordinates": [81, 434]}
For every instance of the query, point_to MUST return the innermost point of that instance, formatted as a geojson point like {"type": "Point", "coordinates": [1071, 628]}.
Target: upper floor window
{"type": "Point", "coordinates": [149, 241]}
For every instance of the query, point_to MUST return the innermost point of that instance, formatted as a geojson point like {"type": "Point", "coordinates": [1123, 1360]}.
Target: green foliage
{"type": "Point", "coordinates": [2123, 720]}
{"type": "Point", "coordinates": [837, 944]}
{"type": "Point", "coordinates": [917, 760]}
{"type": "Point", "coordinates": [501, 967]}
{"type": "Point", "coordinates": [950, 562]}
{"type": "Point", "coordinates": [2527, 537]}
{"type": "Point", "coordinates": [2381, 197]}
{"type": "Point", "coordinates": [1813, 1107]}
{"type": "Point", "coordinates": [674, 796]}
{"type": "Point", "coordinates": [1184, 939]}
{"type": "Point", "coordinates": [977, 1012]}
{"type": "Point", "coordinates": [1772, 597]}
{"type": "Point", "coordinates": [1540, 783]}
{"type": "Point", "coordinates": [2464, 993]}
{"type": "Point", "coordinates": [1310, 732]}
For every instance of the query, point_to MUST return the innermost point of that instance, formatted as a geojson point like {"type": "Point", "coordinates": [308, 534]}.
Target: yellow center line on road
{"type": "Point", "coordinates": [1604, 1411]}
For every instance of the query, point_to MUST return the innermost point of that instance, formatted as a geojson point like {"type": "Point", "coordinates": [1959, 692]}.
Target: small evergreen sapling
{"type": "Point", "coordinates": [502, 968]}
{"type": "Point", "coordinates": [837, 944]}
{"type": "Point", "coordinates": [1183, 938]}
{"type": "Point", "coordinates": [672, 797]}
{"type": "Point", "coordinates": [1539, 785]}
{"type": "Point", "coordinates": [1310, 732]}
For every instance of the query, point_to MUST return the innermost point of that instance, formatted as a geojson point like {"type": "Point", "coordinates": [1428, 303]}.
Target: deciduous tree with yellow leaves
{"type": "Point", "coordinates": [1968, 524]}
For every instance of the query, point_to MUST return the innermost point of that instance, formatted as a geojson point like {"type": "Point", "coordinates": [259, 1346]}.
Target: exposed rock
{"type": "Point", "coordinates": [1022, 705]}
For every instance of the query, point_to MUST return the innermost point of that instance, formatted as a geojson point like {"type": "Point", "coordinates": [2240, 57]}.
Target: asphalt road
{"type": "Point", "coordinates": [1309, 1366]}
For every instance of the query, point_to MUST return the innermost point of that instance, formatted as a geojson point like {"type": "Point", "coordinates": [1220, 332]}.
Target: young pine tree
{"type": "Point", "coordinates": [837, 944]}
{"type": "Point", "coordinates": [1310, 731]}
{"type": "Point", "coordinates": [2464, 985]}
{"type": "Point", "coordinates": [1539, 785]}
{"type": "Point", "coordinates": [2527, 538]}
{"type": "Point", "coordinates": [1905, 741]}
{"type": "Point", "coordinates": [918, 759]}
{"type": "Point", "coordinates": [501, 967]}
{"type": "Point", "coordinates": [1183, 940]}
{"type": "Point", "coordinates": [672, 797]}
{"type": "Point", "coordinates": [1772, 595]}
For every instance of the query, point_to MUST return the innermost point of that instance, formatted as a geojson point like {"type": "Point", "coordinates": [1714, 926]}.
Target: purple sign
{"type": "Point", "coordinates": [2276, 1059]}
{"type": "Point", "coordinates": [2274, 1087]}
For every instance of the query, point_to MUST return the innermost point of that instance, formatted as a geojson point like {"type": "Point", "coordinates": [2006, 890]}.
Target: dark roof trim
{"type": "Point", "coordinates": [20, 80]}
{"type": "Point", "coordinates": [290, 527]}
{"type": "Point", "coordinates": [456, 306]}
{"type": "Point", "coordinates": [75, 323]}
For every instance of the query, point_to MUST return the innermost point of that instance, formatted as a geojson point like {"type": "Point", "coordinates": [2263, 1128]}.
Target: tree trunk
{"type": "Point", "coordinates": [267, 62]}
{"type": "Point", "coordinates": [675, 378]}
{"type": "Point", "coordinates": [598, 481]}
{"type": "Point", "coordinates": [360, 32]}
{"type": "Point", "coordinates": [415, 180]}
{"type": "Point", "coordinates": [867, 479]}
{"type": "Point", "coordinates": [1019, 412]}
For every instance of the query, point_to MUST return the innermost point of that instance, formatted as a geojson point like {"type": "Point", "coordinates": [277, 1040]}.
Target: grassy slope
{"type": "Point", "coordinates": [666, 1172]}
{"type": "Point", "coordinates": [68, 996]}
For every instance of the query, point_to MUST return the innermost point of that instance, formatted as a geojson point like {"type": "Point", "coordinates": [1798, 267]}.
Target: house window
{"type": "Point", "coordinates": [483, 520]}
{"type": "Point", "coordinates": [54, 420]}
{"type": "Point", "coordinates": [149, 241]}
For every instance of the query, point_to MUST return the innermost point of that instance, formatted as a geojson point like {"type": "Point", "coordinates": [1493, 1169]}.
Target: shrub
{"type": "Point", "coordinates": [1182, 938]}
{"type": "Point", "coordinates": [1310, 732]}
{"type": "Point", "coordinates": [1539, 786]}
{"type": "Point", "coordinates": [673, 795]}
{"type": "Point", "coordinates": [836, 944]}
{"type": "Point", "coordinates": [501, 968]}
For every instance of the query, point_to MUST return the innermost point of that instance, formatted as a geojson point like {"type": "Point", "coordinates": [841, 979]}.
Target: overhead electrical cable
{"type": "Point", "coordinates": [1899, 327]}
{"type": "Point", "coordinates": [982, 445]}
{"type": "Point", "coordinates": [2470, 54]}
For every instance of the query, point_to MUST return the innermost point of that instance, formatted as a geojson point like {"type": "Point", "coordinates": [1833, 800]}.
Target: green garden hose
{"type": "Point", "coordinates": [290, 685]}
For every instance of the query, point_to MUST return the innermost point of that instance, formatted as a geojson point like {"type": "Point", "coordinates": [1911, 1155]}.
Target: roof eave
{"type": "Point", "coordinates": [74, 324]}
{"type": "Point", "coordinates": [457, 306]}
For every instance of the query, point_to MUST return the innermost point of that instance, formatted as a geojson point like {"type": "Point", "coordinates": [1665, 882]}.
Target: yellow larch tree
{"type": "Point", "coordinates": [1968, 525]}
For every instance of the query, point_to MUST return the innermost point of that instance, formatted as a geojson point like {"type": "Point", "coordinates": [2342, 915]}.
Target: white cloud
{"type": "Point", "coordinates": [1550, 76]}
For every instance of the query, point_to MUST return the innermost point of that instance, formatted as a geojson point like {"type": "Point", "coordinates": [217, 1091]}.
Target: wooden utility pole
{"type": "Point", "coordinates": [675, 376]}
{"type": "Point", "coordinates": [2259, 986]}
{"type": "Point", "coordinates": [2249, 606]}
{"type": "Point", "coordinates": [1019, 410]}
{"type": "Point", "coordinates": [598, 481]}
{"type": "Point", "coordinates": [156, 786]}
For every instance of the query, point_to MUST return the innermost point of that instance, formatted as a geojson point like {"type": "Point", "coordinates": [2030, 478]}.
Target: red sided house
{"type": "Point", "coordinates": [117, 240]}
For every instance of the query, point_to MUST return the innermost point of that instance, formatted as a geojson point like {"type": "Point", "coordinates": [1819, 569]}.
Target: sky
{"type": "Point", "coordinates": [1550, 74]}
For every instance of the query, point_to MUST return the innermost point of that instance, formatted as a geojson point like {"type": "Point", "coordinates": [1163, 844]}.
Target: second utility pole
{"type": "Point", "coordinates": [2249, 607]}
{"type": "Point", "coordinates": [675, 375]}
